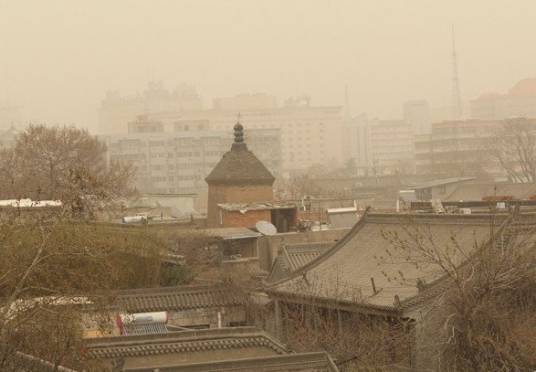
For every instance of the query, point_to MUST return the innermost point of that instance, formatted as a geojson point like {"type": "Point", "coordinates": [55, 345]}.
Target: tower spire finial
{"type": "Point", "coordinates": [238, 130]}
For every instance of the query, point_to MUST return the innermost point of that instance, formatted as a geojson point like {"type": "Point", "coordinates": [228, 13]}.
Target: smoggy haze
{"type": "Point", "coordinates": [57, 58]}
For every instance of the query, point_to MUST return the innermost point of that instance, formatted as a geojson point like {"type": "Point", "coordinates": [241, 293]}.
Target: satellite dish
{"type": "Point", "coordinates": [266, 228]}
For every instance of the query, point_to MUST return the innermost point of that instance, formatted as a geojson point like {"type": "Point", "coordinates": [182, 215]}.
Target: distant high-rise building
{"type": "Point", "coordinates": [391, 147]}
{"type": "Point", "coordinates": [520, 101]}
{"type": "Point", "coordinates": [117, 111]}
{"type": "Point", "coordinates": [310, 135]}
{"type": "Point", "coordinates": [417, 114]}
{"type": "Point", "coordinates": [357, 143]}
{"type": "Point", "coordinates": [459, 148]}
{"type": "Point", "coordinates": [380, 147]}
{"type": "Point", "coordinates": [258, 101]}
{"type": "Point", "coordinates": [178, 161]}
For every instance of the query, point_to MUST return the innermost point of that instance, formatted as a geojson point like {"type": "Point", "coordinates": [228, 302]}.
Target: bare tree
{"type": "Point", "coordinates": [52, 268]}
{"type": "Point", "coordinates": [481, 315]}
{"type": "Point", "coordinates": [514, 149]}
{"type": "Point", "coordinates": [61, 163]}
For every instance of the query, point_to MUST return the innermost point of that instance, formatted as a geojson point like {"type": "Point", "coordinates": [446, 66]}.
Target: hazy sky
{"type": "Point", "coordinates": [57, 58]}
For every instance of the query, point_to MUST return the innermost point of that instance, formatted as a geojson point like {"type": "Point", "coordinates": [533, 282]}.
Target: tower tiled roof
{"type": "Point", "coordinates": [240, 165]}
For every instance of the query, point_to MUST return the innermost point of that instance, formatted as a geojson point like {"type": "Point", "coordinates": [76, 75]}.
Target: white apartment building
{"type": "Point", "coordinates": [178, 162]}
{"type": "Point", "coordinates": [381, 147]}
{"type": "Point", "coordinates": [117, 111]}
{"type": "Point", "coordinates": [310, 135]}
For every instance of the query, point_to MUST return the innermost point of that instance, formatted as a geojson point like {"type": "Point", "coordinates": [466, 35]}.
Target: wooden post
{"type": "Point", "coordinates": [277, 316]}
{"type": "Point", "coordinates": [373, 286]}
{"type": "Point", "coordinates": [339, 321]}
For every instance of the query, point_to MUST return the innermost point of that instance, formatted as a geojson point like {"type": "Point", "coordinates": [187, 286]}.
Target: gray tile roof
{"type": "Point", "coordinates": [22, 362]}
{"type": "Point", "coordinates": [240, 166]}
{"type": "Point", "coordinates": [345, 272]}
{"type": "Point", "coordinates": [205, 341]}
{"type": "Point", "coordinates": [293, 256]}
{"type": "Point", "coordinates": [341, 220]}
{"type": "Point", "coordinates": [306, 362]}
{"type": "Point", "coordinates": [145, 328]}
{"type": "Point", "coordinates": [177, 298]}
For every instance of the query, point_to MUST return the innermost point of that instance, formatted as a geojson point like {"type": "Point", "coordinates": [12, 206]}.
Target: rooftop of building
{"type": "Point", "coordinates": [185, 347]}
{"type": "Point", "coordinates": [257, 206]}
{"type": "Point", "coordinates": [23, 362]}
{"type": "Point", "coordinates": [480, 190]}
{"type": "Point", "coordinates": [524, 88]}
{"type": "Point", "coordinates": [177, 298]}
{"type": "Point", "coordinates": [442, 182]}
{"type": "Point", "coordinates": [231, 233]}
{"type": "Point", "coordinates": [294, 256]}
{"type": "Point", "coordinates": [342, 218]}
{"type": "Point", "coordinates": [363, 270]}
{"type": "Point", "coordinates": [301, 362]}
{"type": "Point", "coordinates": [240, 166]}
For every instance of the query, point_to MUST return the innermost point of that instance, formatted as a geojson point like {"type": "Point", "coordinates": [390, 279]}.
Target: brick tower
{"type": "Point", "coordinates": [239, 177]}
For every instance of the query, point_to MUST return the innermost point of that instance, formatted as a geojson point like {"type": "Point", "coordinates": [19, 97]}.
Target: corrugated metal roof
{"type": "Point", "coordinates": [477, 191]}
{"type": "Point", "coordinates": [441, 182]}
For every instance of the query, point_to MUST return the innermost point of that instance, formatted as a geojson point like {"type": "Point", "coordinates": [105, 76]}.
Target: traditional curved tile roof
{"type": "Point", "coordinates": [205, 341]}
{"type": "Point", "coordinates": [177, 298]}
{"type": "Point", "coordinates": [346, 272]}
{"type": "Point", "coordinates": [306, 362]}
{"type": "Point", "coordinates": [294, 256]}
{"type": "Point", "coordinates": [27, 363]}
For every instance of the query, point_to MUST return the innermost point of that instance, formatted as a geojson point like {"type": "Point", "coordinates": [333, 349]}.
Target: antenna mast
{"type": "Point", "coordinates": [456, 98]}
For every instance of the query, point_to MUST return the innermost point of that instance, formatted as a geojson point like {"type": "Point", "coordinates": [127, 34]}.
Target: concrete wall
{"type": "Point", "coordinates": [269, 246]}
{"type": "Point", "coordinates": [179, 205]}
{"type": "Point", "coordinates": [428, 336]}
{"type": "Point", "coordinates": [208, 316]}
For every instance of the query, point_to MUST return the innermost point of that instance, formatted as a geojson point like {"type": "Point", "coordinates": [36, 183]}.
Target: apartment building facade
{"type": "Point", "coordinates": [458, 148]}
{"type": "Point", "coordinates": [380, 147]}
{"type": "Point", "coordinates": [178, 162]}
{"type": "Point", "coordinates": [310, 135]}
